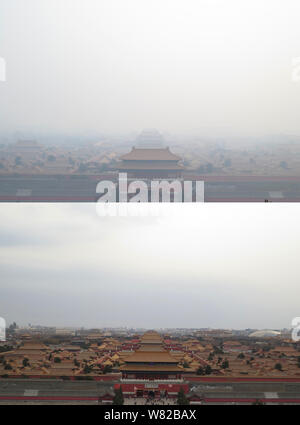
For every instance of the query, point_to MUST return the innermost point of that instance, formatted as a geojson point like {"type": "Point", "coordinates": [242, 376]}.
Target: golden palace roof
{"type": "Point", "coordinates": [151, 357]}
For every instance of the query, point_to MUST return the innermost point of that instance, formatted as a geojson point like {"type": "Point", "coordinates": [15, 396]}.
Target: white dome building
{"type": "Point", "coordinates": [264, 333]}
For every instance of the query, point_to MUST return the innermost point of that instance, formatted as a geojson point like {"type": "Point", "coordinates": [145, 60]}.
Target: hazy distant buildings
{"type": "Point", "coordinates": [26, 147]}
{"type": "Point", "coordinates": [150, 139]}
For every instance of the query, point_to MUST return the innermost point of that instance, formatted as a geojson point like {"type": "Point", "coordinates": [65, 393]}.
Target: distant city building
{"type": "Point", "coordinates": [264, 333]}
{"type": "Point", "coordinates": [64, 331]}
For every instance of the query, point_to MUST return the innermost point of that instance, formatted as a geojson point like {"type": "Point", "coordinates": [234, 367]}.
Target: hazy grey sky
{"type": "Point", "coordinates": [183, 66]}
{"type": "Point", "coordinates": [219, 265]}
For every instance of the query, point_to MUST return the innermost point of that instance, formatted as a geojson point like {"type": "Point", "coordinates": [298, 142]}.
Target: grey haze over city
{"type": "Point", "coordinates": [115, 66]}
{"type": "Point", "coordinates": [203, 265]}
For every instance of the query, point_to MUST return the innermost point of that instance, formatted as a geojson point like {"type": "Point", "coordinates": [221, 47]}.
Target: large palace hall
{"type": "Point", "coordinates": [151, 361]}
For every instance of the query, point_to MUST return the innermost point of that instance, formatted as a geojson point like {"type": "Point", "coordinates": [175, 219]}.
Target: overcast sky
{"type": "Point", "coordinates": [182, 66]}
{"type": "Point", "coordinates": [205, 265]}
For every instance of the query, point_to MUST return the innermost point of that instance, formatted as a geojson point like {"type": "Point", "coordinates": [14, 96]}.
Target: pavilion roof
{"type": "Point", "coordinates": [151, 357]}
{"type": "Point", "coordinates": [33, 346]}
{"type": "Point", "coordinates": [151, 347]}
{"type": "Point", "coordinates": [150, 368]}
{"type": "Point", "coordinates": [139, 154]}
{"type": "Point", "coordinates": [151, 341]}
{"type": "Point", "coordinates": [149, 166]}
{"type": "Point", "coordinates": [29, 353]}
{"type": "Point", "coordinates": [151, 336]}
